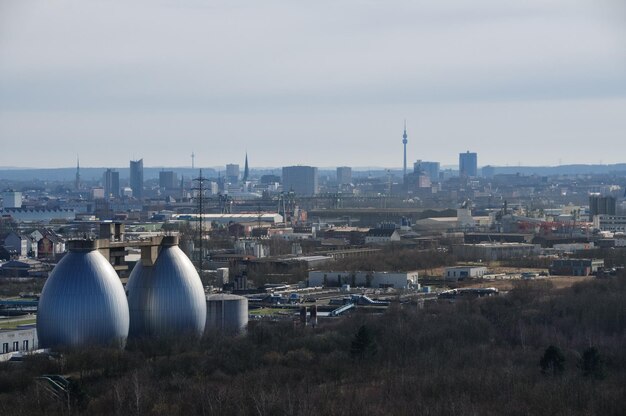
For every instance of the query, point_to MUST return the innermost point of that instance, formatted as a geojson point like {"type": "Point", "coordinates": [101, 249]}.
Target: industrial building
{"type": "Point", "coordinates": [464, 272]}
{"type": "Point", "coordinates": [44, 215]}
{"type": "Point", "coordinates": [83, 301]}
{"type": "Point", "coordinates": [226, 313]}
{"type": "Point", "coordinates": [494, 251]}
{"type": "Point", "coordinates": [396, 280]}
{"type": "Point", "coordinates": [268, 217]}
{"type": "Point", "coordinates": [612, 223]}
{"type": "Point", "coordinates": [21, 339]}
{"type": "Point", "coordinates": [302, 180]}
{"type": "Point", "coordinates": [166, 298]}
{"type": "Point", "coordinates": [382, 236]}
{"type": "Point", "coordinates": [576, 267]}
{"type": "Point", "coordinates": [601, 205]}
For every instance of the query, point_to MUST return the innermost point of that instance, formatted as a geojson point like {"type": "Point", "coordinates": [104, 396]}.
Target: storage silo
{"type": "Point", "coordinates": [228, 313]}
{"type": "Point", "coordinates": [82, 302]}
{"type": "Point", "coordinates": [167, 298]}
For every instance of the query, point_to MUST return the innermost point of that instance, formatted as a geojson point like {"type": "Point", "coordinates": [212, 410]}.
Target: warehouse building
{"type": "Point", "coordinates": [575, 267]}
{"type": "Point", "coordinates": [493, 251]}
{"type": "Point", "coordinates": [464, 272]}
{"type": "Point", "coordinates": [396, 280]}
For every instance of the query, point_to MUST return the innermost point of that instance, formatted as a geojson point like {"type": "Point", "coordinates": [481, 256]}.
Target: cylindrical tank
{"type": "Point", "coordinates": [166, 299]}
{"type": "Point", "coordinates": [83, 301]}
{"type": "Point", "coordinates": [228, 313]}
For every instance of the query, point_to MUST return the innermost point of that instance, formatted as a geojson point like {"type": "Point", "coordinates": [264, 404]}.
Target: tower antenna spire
{"type": "Point", "coordinates": [404, 142]}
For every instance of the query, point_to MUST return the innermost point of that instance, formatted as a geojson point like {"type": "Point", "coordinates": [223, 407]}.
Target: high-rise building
{"type": "Point", "coordinates": [599, 205]}
{"type": "Point", "coordinates": [167, 179]}
{"type": "Point", "coordinates": [136, 178]}
{"type": "Point", "coordinates": [344, 175]}
{"type": "Point", "coordinates": [300, 179]}
{"type": "Point", "coordinates": [429, 169]}
{"type": "Point", "coordinates": [232, 173]}
{"type": "Point", "coordinates": [468, 164]}
{"type": "Point", "coordinates": [111, 183]}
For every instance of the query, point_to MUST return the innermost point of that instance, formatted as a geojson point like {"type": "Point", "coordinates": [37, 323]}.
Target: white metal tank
{"type": "Point", "coordinates": [83, 301]}
{"type": "Point", "coordinates": [167, 298]}
{"type": "Point", "coordinates": [228, 313]}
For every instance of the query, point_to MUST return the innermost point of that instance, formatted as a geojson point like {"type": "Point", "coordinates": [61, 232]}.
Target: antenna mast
{"type": "Point", "coordinates": [200, 195]}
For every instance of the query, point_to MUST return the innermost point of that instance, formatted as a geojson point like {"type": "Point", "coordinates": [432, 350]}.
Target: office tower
{"type": "Point", "coordinates": [468, 164]}
{"type": "Point", "coordinates": [232, 173]}
{"type": "Point", "coordinates": [430, 169]}
{"type": "Point", "coordinates": [111, 183]}
{"type": "Point", "coordinates": [136, 178]}
{"type": "Point", "coordinates": [246, 170]}
{"type": "Point", "coordinates": [344, 175]}
{"type": "Point", "coordinates": [601, 205]}
{"type": "Point", "coordinates": [300, 179]}
{"type": "Point", "coordinates": [404, 142]}
{"type": "Point", "coordinates": [167, 179]}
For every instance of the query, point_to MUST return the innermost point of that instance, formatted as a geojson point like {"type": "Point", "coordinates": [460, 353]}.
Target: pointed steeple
{"type": "Point", "coordinates": [77, 179]}
{"type": "Point", "coordinates": [246, 171]}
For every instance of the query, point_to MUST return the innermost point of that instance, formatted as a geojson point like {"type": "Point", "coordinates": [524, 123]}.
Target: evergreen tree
{"type": "Point", "coordinates": [363, 344]}
{"type": "Point", "coordinates": [592, 364]}
{"type": "Point", "coordinates": [552, 361]}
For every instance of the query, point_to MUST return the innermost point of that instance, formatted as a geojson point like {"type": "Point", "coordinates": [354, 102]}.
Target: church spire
{"type": "Point", "coordinates": [77, 179]}
{"type": "Point", "coordinates": [246, 171]}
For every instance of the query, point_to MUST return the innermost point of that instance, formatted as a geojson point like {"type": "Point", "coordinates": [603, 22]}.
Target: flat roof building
{"type": "Point", "coordinates": [302, 180]}
{"type": "Point", "coordinates": [468, 164]}
{"type": "Point", "coordinates": [344, 175]}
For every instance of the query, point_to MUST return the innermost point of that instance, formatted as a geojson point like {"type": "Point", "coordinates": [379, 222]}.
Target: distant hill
{"type": "Point", "coordinates": [561, 170]}
{"type": "Point", "coordinates": [91, 174]}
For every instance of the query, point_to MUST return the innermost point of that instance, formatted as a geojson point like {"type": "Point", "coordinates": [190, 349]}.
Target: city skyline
{"type": "Point", "coordinates": [539, 82]}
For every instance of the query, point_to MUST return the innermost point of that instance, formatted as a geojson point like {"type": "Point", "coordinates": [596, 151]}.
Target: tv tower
{"type": "Point", "coordinates": [404, 142]}
{"type": "Point", "coordinates": [192, 158]}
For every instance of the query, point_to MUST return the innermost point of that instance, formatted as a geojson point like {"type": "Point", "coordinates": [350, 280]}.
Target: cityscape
{"type": "Point", "coordinates": [293, 227]}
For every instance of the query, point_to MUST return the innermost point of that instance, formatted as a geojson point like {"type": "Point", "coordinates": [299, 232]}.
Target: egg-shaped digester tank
{"type": "Point", "coordinates": [167, 298]}
{"type": "Point", "coordinates": [83, 301]}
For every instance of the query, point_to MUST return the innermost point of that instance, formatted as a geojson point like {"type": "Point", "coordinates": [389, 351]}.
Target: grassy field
{"type": "Point", "coordinates": [272, 311]}
{"type": "Point", "coordinates": [13, 323]}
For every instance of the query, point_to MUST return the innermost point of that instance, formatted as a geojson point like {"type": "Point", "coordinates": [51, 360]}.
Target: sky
{"type": "Point", "coordinates": [324, 83]}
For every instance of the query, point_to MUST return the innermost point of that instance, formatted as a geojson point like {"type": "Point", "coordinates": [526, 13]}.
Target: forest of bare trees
{"type": "Point", "coordinates": [537, 350]}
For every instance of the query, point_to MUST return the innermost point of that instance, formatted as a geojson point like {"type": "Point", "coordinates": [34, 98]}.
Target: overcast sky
{"type": "Point", "coordinates": [325, 83]}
